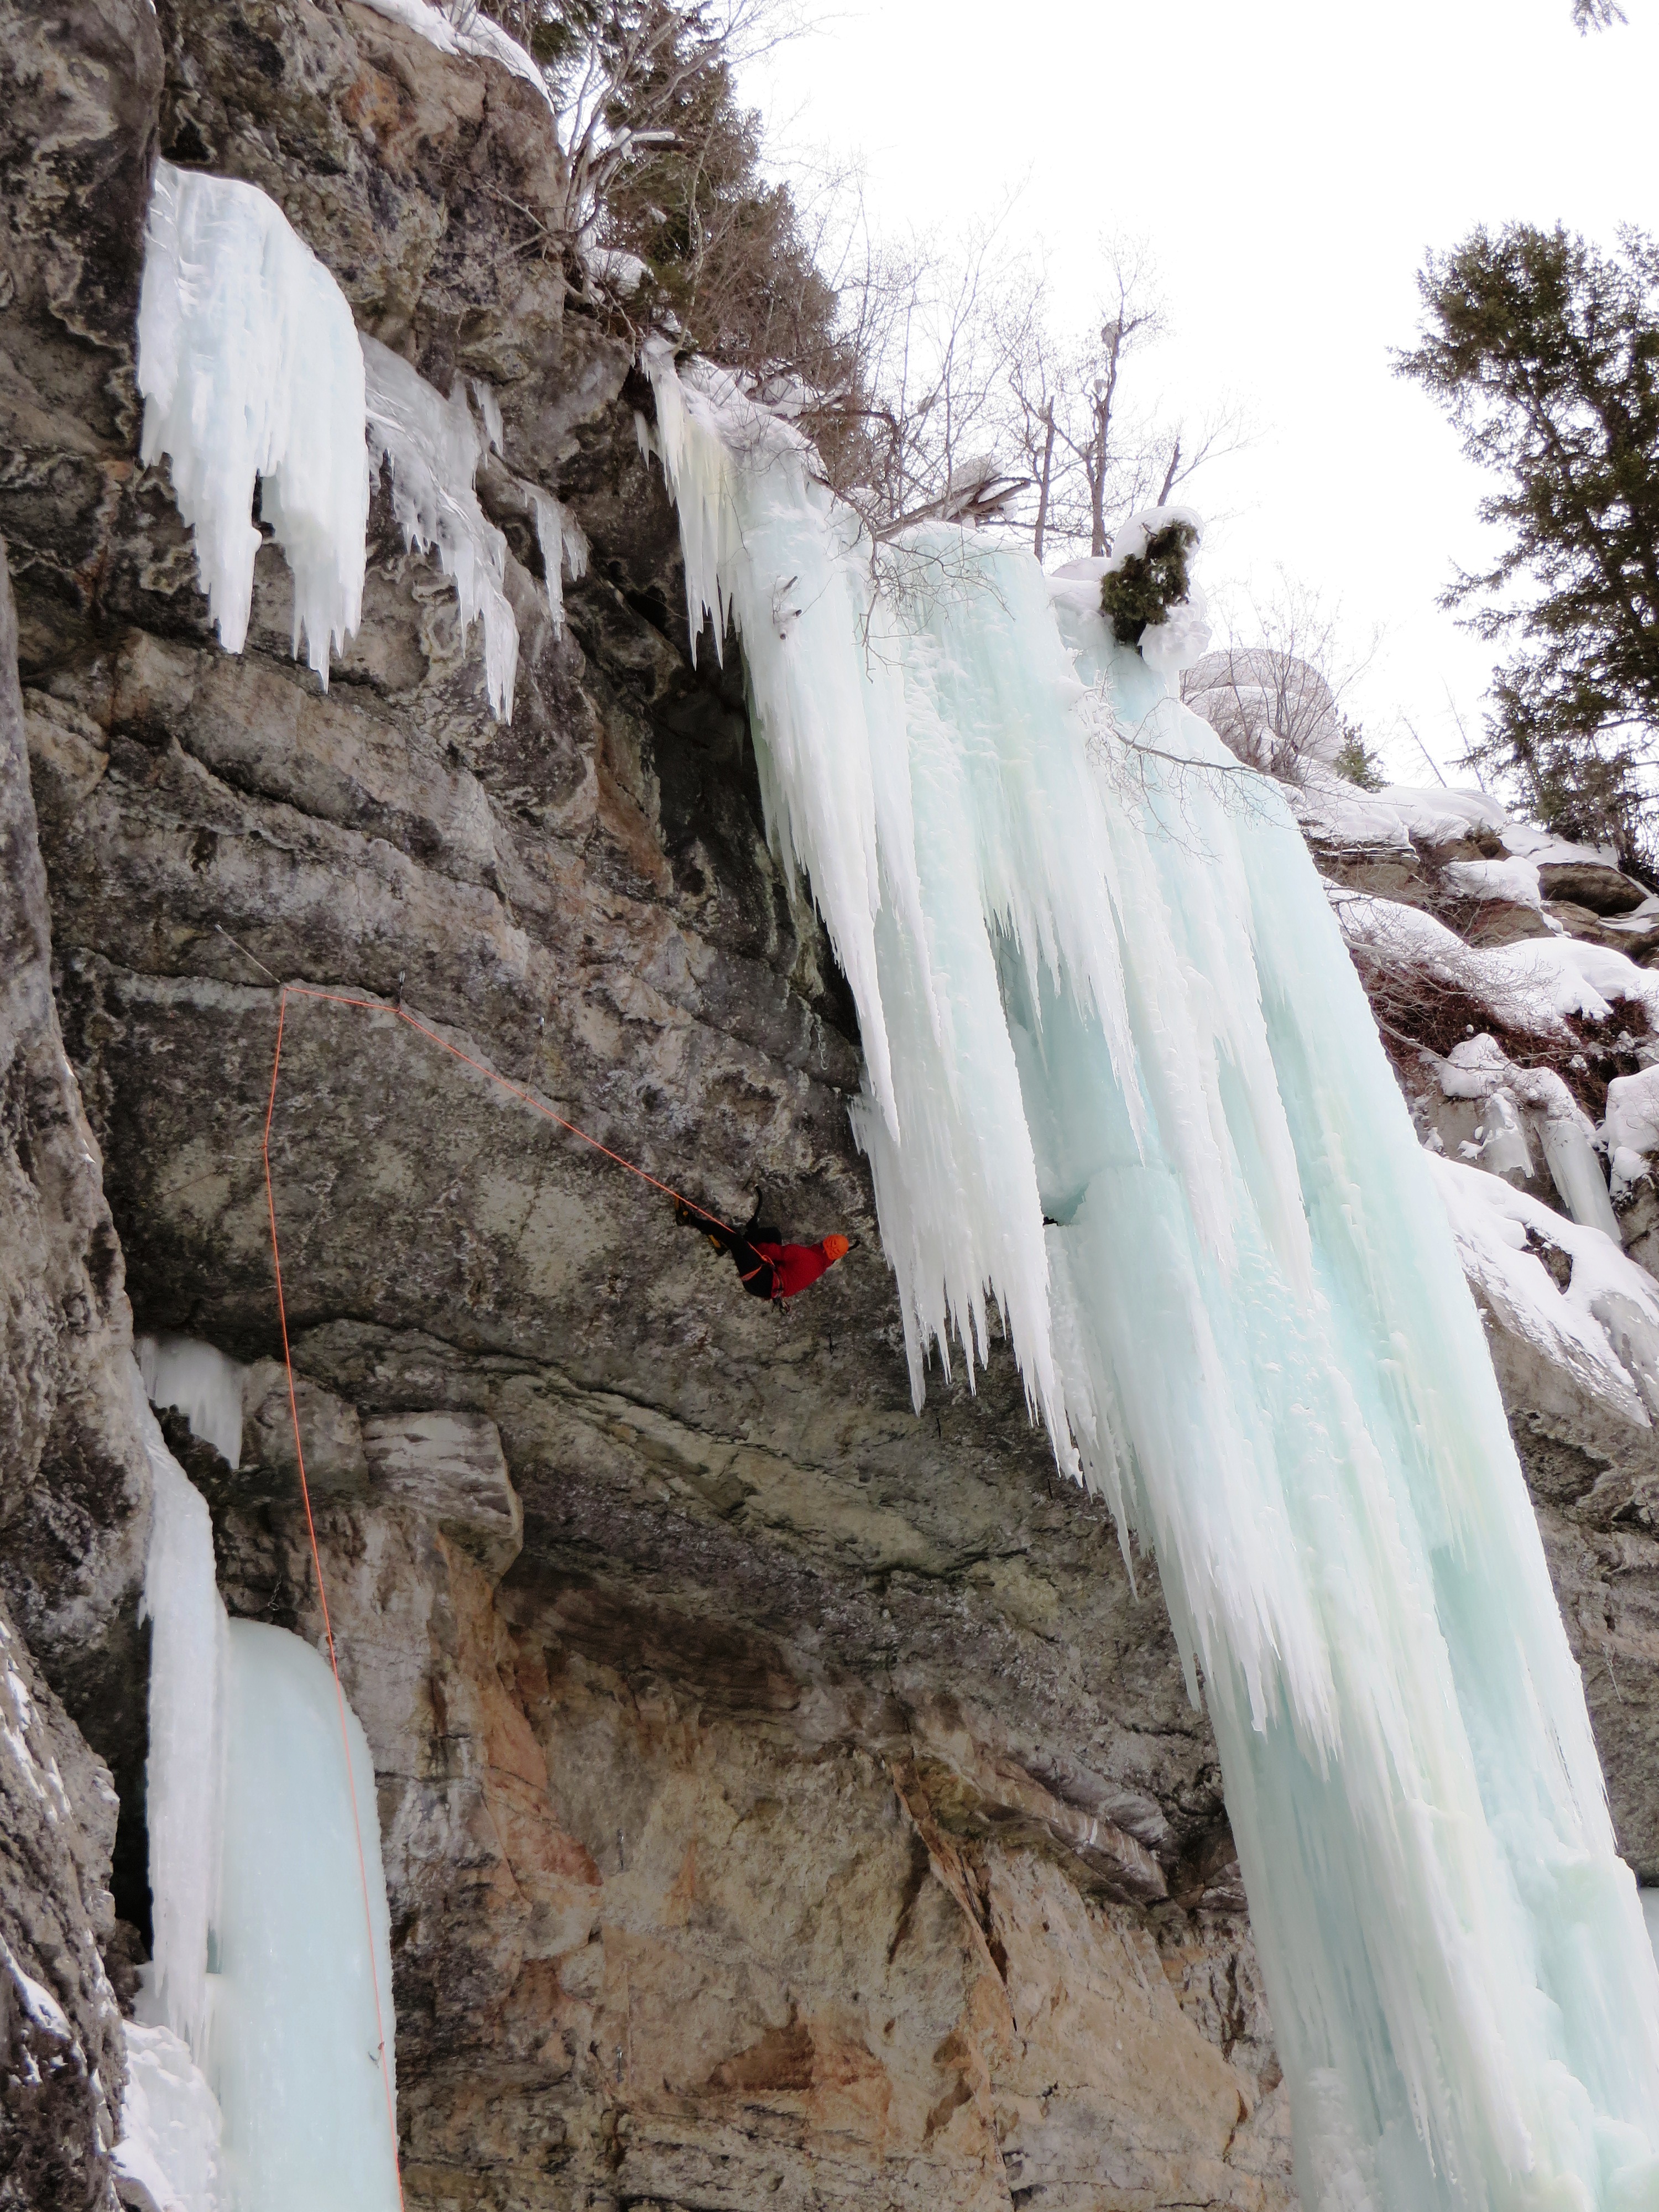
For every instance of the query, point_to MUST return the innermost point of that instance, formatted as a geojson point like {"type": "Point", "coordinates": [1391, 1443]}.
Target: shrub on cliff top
{"type": "Point", "coordinates": [1137, 593]}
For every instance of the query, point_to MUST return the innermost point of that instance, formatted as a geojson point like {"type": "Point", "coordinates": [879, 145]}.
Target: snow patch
{"type": "Point", "coordinates": [1133, 536]}
{"type": "Point", "coordinates": [1531, 985]}
{"type": "Point", "coordinates": [623, 272]}
{"type": "Point", "coordinates": [1631, 1124]}
{"type": "Point", "coordinates": [170, 2128]}
{"type": "Point", "coordinates": [1337, 811]}
{"type": "Point", "coordinates": [467, 32]}
{"type": "Point", "coordinates": [1515, 879]}
{"type": "Point", "coordinates": [39, 2003]}
{"type": "Point", "coordinates": [1578, 1328]}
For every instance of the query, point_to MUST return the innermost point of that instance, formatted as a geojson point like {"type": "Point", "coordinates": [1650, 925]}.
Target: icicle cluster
{"type": "Point", "coordinates": [199, 1381]}
{"type": "Point", "coordinates": [249, 370]}
{"type": "Point", "coordinates": [1097, 981]}
{"type": "Point", "coordinates": [253, 372]}
{"type": "Point", "coordinates": [249, 2091]}
{"type": "Point", "coordinates": [430, 446]}
{"type": "Point", "coordinates": [184, 1774]}
{"type": "Point", "coordinates": [564, 547]}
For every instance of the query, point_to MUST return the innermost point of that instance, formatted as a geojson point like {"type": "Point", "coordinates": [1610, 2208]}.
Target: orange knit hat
{"type": "Point", "coordinates": [834, 1247]}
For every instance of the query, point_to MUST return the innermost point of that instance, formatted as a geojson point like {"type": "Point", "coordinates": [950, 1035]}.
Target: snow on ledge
{"type": "Point", "coordinates": [477, 34]}
{"type": "Point", "coordinates": [1632, 1116]}
{"type": "Point", "coordinates": [1603, 1329]}
{"type": "Point", "coordinates": [1338, 812]}
{"type": "Point", "coordinates": [1533, 984]}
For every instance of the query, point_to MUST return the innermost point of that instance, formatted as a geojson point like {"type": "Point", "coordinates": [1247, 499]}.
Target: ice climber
{"type": "Point", "coordinates": [766, 1266]}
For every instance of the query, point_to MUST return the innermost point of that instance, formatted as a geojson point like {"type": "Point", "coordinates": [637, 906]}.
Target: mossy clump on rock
{"type": "Point", "coordinates": [1138, 594]}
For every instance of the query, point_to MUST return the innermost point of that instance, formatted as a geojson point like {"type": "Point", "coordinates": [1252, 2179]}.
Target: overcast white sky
{"type": "Point", "coordinates": [1289, 162]}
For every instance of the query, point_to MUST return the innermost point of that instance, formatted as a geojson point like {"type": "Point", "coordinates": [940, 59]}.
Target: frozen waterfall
{"type": "Point", "coordinates": [1097, 980]}
{"type": "Point", "coordinates": [259, 2079]}
{"type": "Point", "coordinates": [296, 2059]}
{"type": "Point", "coordinates": [197, 1381]}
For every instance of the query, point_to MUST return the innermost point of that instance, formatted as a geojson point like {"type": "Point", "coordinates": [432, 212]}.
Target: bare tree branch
{"type": "Point", "coordinates": [1275, 695]}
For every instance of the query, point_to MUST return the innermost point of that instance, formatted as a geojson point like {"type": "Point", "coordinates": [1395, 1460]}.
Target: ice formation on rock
{"type": "Point", "coordinates": [564, 547]}
{"type": "Point", "coordinates": [1480, 1068]}
{"type": "Point", "coordinates": [490, 411]}
{"type": "Point", "coordinates": [185, 1773]}
{"type": "Point", "coordinates": [430, 446]}
{"type": "Point", "coordinates": [297, 2059]}
{"type": "Point", "coordinates": [249, 370]}
{"type": "Point", "coordinates": [261, 2083]}
{"type": "Point", "coordinates": [200, 1382]}
{"type": "Point", "coordinates": [1097, 979]}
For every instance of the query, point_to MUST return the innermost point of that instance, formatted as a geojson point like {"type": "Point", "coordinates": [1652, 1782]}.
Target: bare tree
{"type": "Point", "coordinates": [1039, 378]}
{"type": "Point", "coordinates": [1133, 314]}
{"type": "Point", "coordinates": [1091, 457]}
{"type": "Point", "coordinates": [1274, 695]}
{"type": "Point", "coordinates": [922, 429]}
{"type": "Point", "coordinates": [1597, 14]}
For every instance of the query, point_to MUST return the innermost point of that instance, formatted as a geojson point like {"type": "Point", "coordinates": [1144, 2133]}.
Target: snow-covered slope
{"type": "Point", "coordinates": [1524, 1032]}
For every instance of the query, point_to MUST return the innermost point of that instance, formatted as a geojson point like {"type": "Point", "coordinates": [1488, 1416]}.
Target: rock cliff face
{"type": "Point", "coordinates": [787, 1801]}
{"type": "Point", "coordinates": [73, 1517]}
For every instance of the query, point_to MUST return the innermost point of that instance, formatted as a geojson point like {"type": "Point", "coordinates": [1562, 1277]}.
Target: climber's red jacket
{"type": "Point", "coordinates": [795, 1266]}
{"type": "Point", "coordinates": [766, 1266]}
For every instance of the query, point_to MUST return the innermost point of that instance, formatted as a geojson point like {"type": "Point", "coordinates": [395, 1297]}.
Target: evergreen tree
{"type": "Point", "coordinates": [1356, 761]}
{"type": "Point", "coordinates": [1139, 593]}
{"type": "Point", "coordinates": [1545, 353]}
{"type": "Point", "coordinates": [666, 163]}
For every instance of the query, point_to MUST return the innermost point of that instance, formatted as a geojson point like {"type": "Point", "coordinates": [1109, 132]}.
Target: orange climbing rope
{"type": "Point", "coordinates": [379, 1006]}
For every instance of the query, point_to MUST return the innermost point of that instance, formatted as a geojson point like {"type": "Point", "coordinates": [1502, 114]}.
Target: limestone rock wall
{"type": "Point", "coordinates": [74, 1508]}
{"type": "Point", "coordinates": [785, 1800]}
{"type": "Point", "coordinates": [63, 2063]}
{"type": "Point", "coordinates": [73, 1504]}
